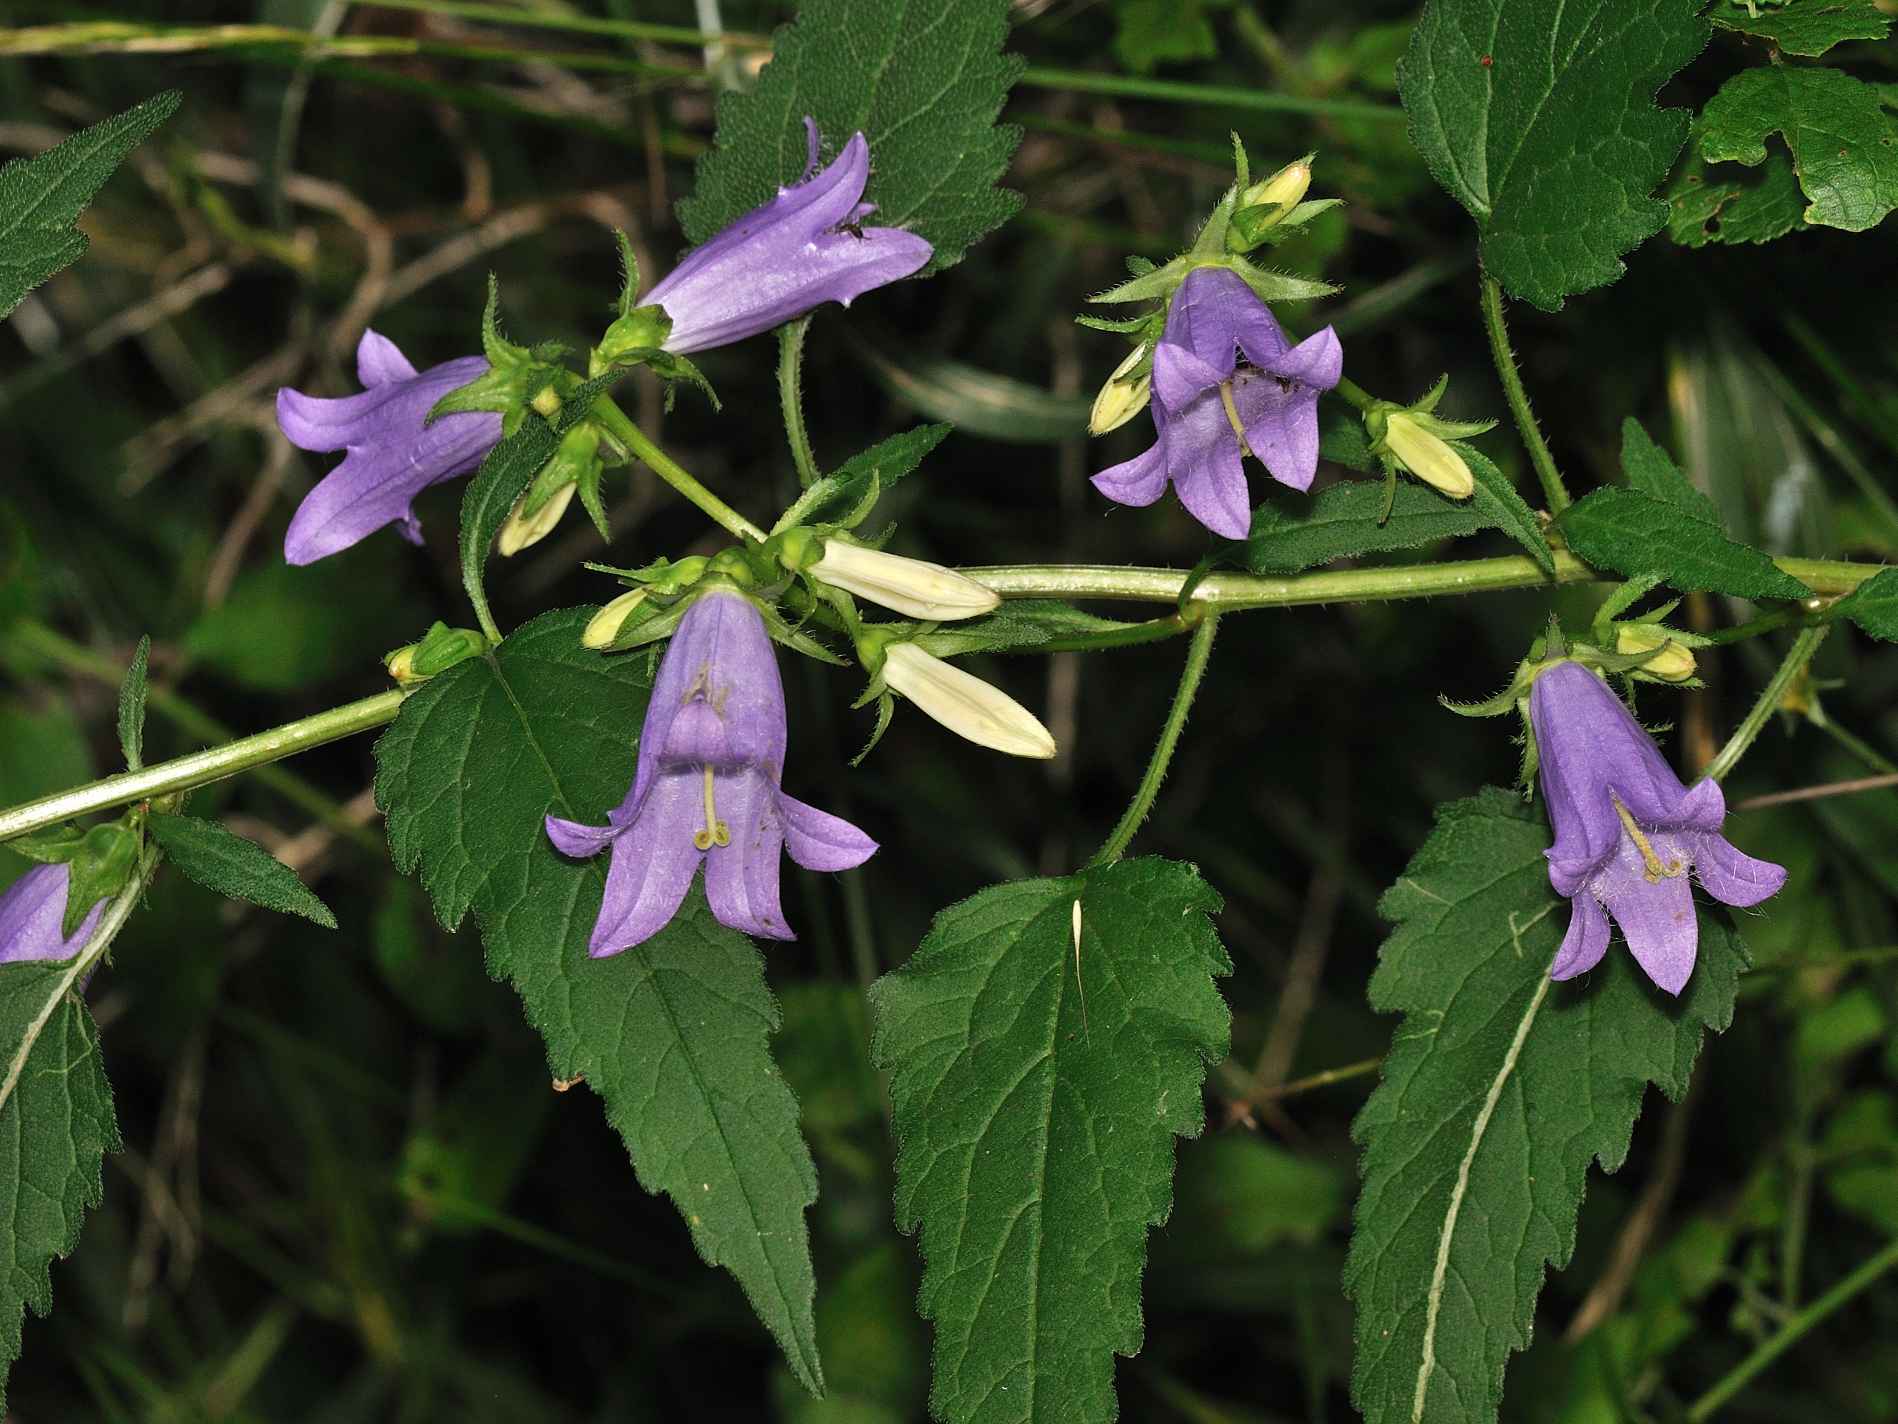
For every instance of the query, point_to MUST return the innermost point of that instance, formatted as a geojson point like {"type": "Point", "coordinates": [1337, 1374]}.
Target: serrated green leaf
{"type": "Point", "coordinates": [1808, 27]}
{"type": "Point", "coordinates": [1538, 117]}
{"type": "Point", "coordinates": [1844, 144]}
{"type": "Point", "coordinates": [882, 465]}
{"type": "Point", "coordinates": [132, 707]}
{"type": "Point", "coordinates": [41, 198]}
{"type": "Point", "coordinates": [671, 1034]}
{"type": "Point", "coordinates": [1650, 470]}
{"type": "Point", "coordinates": [922, 79]}
{"type": "Point", "coordinates": [228, 864]}
{"type": "Point", "coordinates": [1019, 624]}
{"type": "Point", "coordinates": [1729, 203]}
{"type": "Point", "coordinates": [1499, 1089]}
{"type": "Point", "coordinates": [1345, 520]}
{"type": "Point", "coordinates": [56, 1125]}
{"type": "Point", "coordinates": [1495, 498]}
{"type": "Point", "coordinates": [1873, 605]}
{"type": "Point", "coordinates": [1637, 536]}
{"type": "Point", "coordinates": [1037, 1096]}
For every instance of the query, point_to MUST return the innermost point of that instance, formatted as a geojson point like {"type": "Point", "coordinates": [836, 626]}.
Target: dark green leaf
{"type": "Point", "coordinates": [1808, 27]}
{"type": "Point", "coordinates": [1844, 144]}
{"type": "Point", "coordinates": [230, 865]}
{"type": "Point", "coordinates": [1538, 117]}
{"type": "Point", "coordinates": [1495, 498]}
{"type": "Point", "coordinates": [132, 707]}
{"type": "Point", "coordinates": [41, 198]}
{"type": "Point", "coordinates": [882, 465]}
{"type": "Point", "coordinates": [1344, 520]}
{"type": "Point", "coordinates": [1729, 203]}
{"type": "Point", "coordinates": [671, 1034]}
{"type": "Point", "coordinates": [1650, 470]}
{"type": "Point", "coordinates": [1341, 439]}
{"type": "Point", "coordinates": [922, 82]}
{"type": "Point", "coordinates": [1873, 605]}
{"type": "Point", "coordinates": [1035, 1148]}
{"type": "Point", "coordinates": [1499, 1088]}
{"type": "Point", "coordinates": [1638, 536]}
{"type": "Point", "coordinates": [56, 1125]}
{"type": "Point", "coordinates": [1025, 623]}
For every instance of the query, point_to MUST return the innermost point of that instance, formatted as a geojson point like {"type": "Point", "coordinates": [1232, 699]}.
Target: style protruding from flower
{"type": "Point", "coordinates": [706, 791]}
{"type": "Point", "coordinates": [971, 708]}
{"type": "Point", "coordinates": [1210, 411]}
{"type": "Point", "coordinates": [805, 247]}
{"type": "Point", "coordinates": [394, 451]}
{"type": "Point", "coordinates": [31, 909]}
{"type": "Point", "coordinates": [1627, 833]}
{"type": "Point", "coordinates": [914, 587]}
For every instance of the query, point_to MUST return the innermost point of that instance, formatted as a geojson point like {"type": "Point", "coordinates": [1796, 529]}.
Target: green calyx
{"type": "Point", "coordinates": [516, 377]}
{"type": "Point", "coordinates": [438, 650]}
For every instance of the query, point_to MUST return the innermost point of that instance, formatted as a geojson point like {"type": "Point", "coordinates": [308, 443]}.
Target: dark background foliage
{"type": "Point", "coordinates": [347, 1191]}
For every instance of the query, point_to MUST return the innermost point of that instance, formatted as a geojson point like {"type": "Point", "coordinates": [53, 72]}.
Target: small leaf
{"type": "Point", "coordinates": [1808, 27]}
{"type": "Point", "coordinates": [1650, 470]}
{"type": "Point", "coordinates": [1729, 203]}
{"type": "Point", "coordinates": [1496, 499]}
{"type": "Point", "coordinates": [1873, 605]}
{"type": "Point", "coordinates": [1844, 144]}
{"type": "Point", "coordinates": [230, 865]}
{"type": "Point", "coordinates": [1150, 32]}
{"type": "Point", "coordinates": [41, 198]}
{"type": "Point", "coordinates": [132, 707]}
{"type": "Point", "coordinates": [1344, 520]}
{"type": "Point", "coordinates": [923, 83]}
{"type": "Point", "coordinates": [673, 1033]}
{"type": "Point", "coordinates": [1038, 1086]}
{"type": "Point", "coordinates": [1637, 535]}
{"type": "Point", "coordinates": [837, 494]}
{"type": "Point", "coordinates": [56, 1125]}
{"type": "Point", "coordinates": [1499, 1089]}
{"type": "Point", "coordinates": [1020, 624]}
{"type": "Point", "coordinates": [1538, 117]}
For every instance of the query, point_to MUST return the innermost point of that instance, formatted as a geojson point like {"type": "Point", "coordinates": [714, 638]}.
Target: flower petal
{"type": "Point", "coordinates": [721, 655]}
{"type": "Point", "coordinates": [31, 909]}
{"type": "Point", "coordinates": [1180, 377]}
{"type": "Point", "coordinates": [652, 867]}
{"type": "Point", "coordinates": [1138, 482]}
{"type": "Point", "coordinates": [1585, 740]}
{"type": "Point", "coordinates": [818, 840]}
{"type": "Point", "coordinates": [1317, 361]}
{"type": "Point", "coordinates": [1656, 916]}
{"type": "Point", "coordinates": [1202, 451]}
{"type": "Point", "coordinates": [1732, 877]}
{"type": "Point", "coordinates": [577, 840]}
{"type": "Point", "coordinates": [1281, 421]}
{"type": "Point", "coordinates": [1586, 940]}
{"type": "Point", "coordinates": [741, 879]}
{"type": "Point", "coordinates": [379, 361]}
{"type": "Point", "coordinates": [1206, 316]}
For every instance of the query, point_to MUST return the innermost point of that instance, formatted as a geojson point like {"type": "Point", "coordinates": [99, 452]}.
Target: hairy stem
{"type": "Point", "coordinates": [791, 397]}
{"type": "Point", "coordinates": [1553, 489]}
{"type": "Point", "coordinates": [619, 426]}
{"type": "Point", "coordinates": [1197, 653]}
{"type": "Point", "coordinates": [1804, 646]}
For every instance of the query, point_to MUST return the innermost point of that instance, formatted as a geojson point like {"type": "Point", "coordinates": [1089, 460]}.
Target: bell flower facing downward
{"type": "Point", "coordinates": [711, 755]}
{"type": "Point", "coordinates": [805, 247]}
{"type": "Point", "coordinates": [394, 454]}
{"type": "Point", "coordinates": [30, 911]}
{"type": "Point", "coordinates": [1209, 411]}
{"type": "Point", "coordinates": [1627, 833]}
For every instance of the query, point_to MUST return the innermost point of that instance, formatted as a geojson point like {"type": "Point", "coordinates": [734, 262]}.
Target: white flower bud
{"type": "Point", "coordinates": [1285, 187]}
{"type": "Point", "coordinates": [966, 705]}
{"type": "Point", "coordinates": [1120, 401]}
{"type": "Point", "coordinates": [604, 626]}
{"type": "Point", "coordinates": [1427, 457]}
{"type": "Point", "coordinates": [910, 586]}
{"type": "Point", "coordinates": [1675, 661]}
{"type": "Point", "coordinates": [519, 532]}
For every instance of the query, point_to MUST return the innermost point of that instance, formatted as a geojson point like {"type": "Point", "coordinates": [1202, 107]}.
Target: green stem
{"type": "Point", "coordinates": [1355, 393]}
{"type": "Point", "coordinates": [573, 24]}
{"type": "Point", "coordinates": [1804, 646]}
{"type": "Point", "coordinates": [1224, 96]}
{"type": "Point", "coordinates": [791, 397]}
{"type": "Point", "coordinates": [202, 768]}
{"type": "Point", "coordinates": [1790, 1334]}
{"type": "Point", "coordinates": [619, 426]}
{"type": "Point", "coordinates": [1197, 653]}
{"type": "Point", "coordinates": [1852, 742]}
{"type": "Point", "coordinates": [1553, 489]}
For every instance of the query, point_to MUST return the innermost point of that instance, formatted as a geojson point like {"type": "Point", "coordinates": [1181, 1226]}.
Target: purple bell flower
{"type": "Point", "coordinates": [1627, 833]}
{"type": "Point", "coordinates": [706, 790]}
{"type": "Point", "coordinates": [30, 911]}
{"type": "Point", "coordinates": [803, 248]}
{"type": "Point", "coordinates": [1203, 399]}
{"type": "Point", "coordinates": [393, 456]}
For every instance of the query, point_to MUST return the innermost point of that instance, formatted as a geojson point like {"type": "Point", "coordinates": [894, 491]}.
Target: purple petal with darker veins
{"type": "Point", "coordinates": [741, 879]}
{"type": "Point", "coordinates": [379, 361]}
{"type": "Point", "coordinates": [1202, 456]}
{"type": "Point", "coordinates": [1137, 482]}
{"type": "Point", "coordinates": [818, 840]}
{"type": "Point", "coordinates": [1585, 740]}
{"type": "Point", "coordinates": [31, 909]}
{"type": "Point", "coordinates": [1208, 312]}
{"type": "Point", "coordinates": [720, 658]}
{"type": "Point", "coordinates": [1180, 377]}
{"type": "Point", "coordinates": [1281, 423]}
{"type": "Point", "coordinates": [1656, 916]}
{"type": "Point", "coordinates": [653, 862]}
{"type": "Point", "coordinates": [1731, 877]}
{"type": "Point", "coordinates": [1586, 940]}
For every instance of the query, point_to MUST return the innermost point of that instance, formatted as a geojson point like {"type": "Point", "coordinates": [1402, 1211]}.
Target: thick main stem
{"type": "Point", "coordinates": [619, 426]}
{"type": "Point", "coordinates": [1197, 653]}
{"type": "Point", "coordinates": [1553, 489]}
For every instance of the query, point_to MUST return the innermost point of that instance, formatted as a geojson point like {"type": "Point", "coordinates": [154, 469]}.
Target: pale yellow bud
{"type": "Point", "coordinates": [1427, 457]}
{"type": "Point", "coordinates": [521, 531]}
{"type": "Point", "coordinates": [547, 402]}
{"type": "Point", "coordinates": [1120, 401]}
{"type": "Point", "coordinates": [1675, 661]}
{"type": "Point", "coordinates": [966, 705]}
{"type": "Point", "coordinates": [401, 665]}
{"type": "Point", "coordinates": [1285, 187]}
{"type": "Point", "coordinates": [604, 626]}
{"type": "Point", "coordinates": [910, 586]}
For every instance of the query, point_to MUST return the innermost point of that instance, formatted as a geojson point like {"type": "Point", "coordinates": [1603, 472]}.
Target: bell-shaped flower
{"type": "Point", "coordinates": [394, 451]}
{"type": "Point", "coordinates": [705, 791]}
{"type": "Point", "coordinates": [1627, 832]}
{"type": "Point", "coordinates": [805, 247]}
{"type": "Point", "coordinates": [1210, 410]}
{"type": "Point", "coordinates": [31, 909]}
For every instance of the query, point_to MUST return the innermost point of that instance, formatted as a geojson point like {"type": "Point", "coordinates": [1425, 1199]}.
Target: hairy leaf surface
{"type": "Point", "coordinates": [1808, 27]}
{"type": "Point", "coordinates": [225, 862]}
{"type": "Point", "coordinates": [1637, 535]}
{"type": "Point", "coordinates": [1844, 143]}
{"type": "Point", "coordinates": [1343, 520]}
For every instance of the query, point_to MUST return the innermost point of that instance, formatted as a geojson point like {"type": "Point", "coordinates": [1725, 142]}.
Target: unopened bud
{"type": "Point", "coordinates": [439, 650]}
{"type": "Point", "coordinates": [604, 626]}
{"type": "Point", "coordinates": [1284, 188]}
{"type": "Point", "coordinates": [910, 586]}
{"type": "Point", "coordinates": [1120, 400]}
{"type": "Point", "coordinates": [1427, 457]}
{"type": "Point", "coordinates": [966, 705]}
{"type": "Point", "coordinates": [1675, 661]}
{"type": "Point", "coordinates": [547, 401]}
{"type": "Point", "coordinates": [524, 529]}
{"type": "Point", "coordinates": [401, 665]}
{"type": "Point", "coordinates": [643, 329]}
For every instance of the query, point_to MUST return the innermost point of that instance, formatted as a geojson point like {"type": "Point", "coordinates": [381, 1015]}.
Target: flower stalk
{"type": "Point", "coordinates": [1553, 490]}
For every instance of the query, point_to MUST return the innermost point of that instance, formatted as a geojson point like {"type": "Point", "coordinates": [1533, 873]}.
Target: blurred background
{"type": "Point", "coordinates": [348, 1191]}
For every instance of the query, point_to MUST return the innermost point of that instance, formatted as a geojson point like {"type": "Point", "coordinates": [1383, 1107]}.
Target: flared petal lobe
{"type": "Point", "coordinates": [31, 909]}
